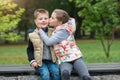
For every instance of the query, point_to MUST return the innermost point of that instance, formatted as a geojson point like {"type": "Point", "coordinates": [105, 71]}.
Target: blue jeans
{"type": "Point", "coordinates": [48, 69]}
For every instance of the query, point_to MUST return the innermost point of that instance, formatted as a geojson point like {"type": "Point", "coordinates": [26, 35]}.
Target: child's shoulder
{"type": "Point", "coordinates": [33, 32]}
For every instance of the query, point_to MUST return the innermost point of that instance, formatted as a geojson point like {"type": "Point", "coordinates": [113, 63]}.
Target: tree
{"type": "Point", "coordinates": [10, 15]}
{"type": "Point", "coordinates": [102, 17]}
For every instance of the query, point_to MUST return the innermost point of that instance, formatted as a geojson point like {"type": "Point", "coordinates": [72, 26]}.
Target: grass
{"type": "Point", "coordinates": [13, 54]}
{"type": "Point", "coordinates": [92, 52]}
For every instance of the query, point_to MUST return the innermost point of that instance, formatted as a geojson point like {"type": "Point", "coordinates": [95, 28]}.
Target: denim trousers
{"type": "Point", "coordinates": [49, 70]}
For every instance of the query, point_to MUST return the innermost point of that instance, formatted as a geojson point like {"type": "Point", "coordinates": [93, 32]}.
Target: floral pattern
{"type": "Point", "coordinates": [67, 50]}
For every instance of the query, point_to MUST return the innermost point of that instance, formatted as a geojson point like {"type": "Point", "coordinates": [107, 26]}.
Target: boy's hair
{"type": "Point", "coordinates": [42, 11]}
{"type": "Point", "coordinates": [61, 15]}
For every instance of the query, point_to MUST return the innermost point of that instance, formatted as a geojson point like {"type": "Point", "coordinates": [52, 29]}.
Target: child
{"type": "Point", "coordinates": [68, 54]}
{"type": "Point", "coordinates": [39, 54]}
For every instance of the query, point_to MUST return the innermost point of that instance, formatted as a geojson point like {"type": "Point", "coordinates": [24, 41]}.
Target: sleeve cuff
{"type": "Point", "coordinates": [32, 61]}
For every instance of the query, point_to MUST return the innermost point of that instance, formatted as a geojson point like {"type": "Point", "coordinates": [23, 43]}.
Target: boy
{"type": "Point", "coordinates": [41, 56]}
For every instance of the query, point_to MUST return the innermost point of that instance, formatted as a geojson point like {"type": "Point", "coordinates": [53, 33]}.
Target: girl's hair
{"type": "Point", "coordinates": [61, 15]}
{"type": "Point", "coordinates": [38, 11]}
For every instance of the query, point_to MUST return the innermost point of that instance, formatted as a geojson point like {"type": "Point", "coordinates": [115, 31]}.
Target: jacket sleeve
{"type": "Point", "coordinates": [30, 51]}
{"type": "Point", "coordinates": [55, 38]}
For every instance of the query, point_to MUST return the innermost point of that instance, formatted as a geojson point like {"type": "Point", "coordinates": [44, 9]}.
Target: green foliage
{"type": "Point", "coordinates": [101, 16]}
{"type": "Point", "coordinates": [11, 36]}
{"type": "Point", "coordinates": [60, 4]}
{"type": "Point", "coordinates": [10, 15]}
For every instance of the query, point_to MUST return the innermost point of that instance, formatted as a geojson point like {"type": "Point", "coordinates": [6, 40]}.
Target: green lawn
{"type": "Point", "coordinates": [91, 49]}
{"type": "Point", "coordinates": [13, 54]}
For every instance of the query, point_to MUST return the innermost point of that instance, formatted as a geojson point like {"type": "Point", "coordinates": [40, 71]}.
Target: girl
{"type": "Point", "coordinates": [68, 54]}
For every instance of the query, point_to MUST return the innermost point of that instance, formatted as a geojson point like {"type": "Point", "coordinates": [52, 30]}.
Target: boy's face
{"type": "Point", "coordinates": [54, 21]}
{"type": "Point", "coordinates": [42, 20]}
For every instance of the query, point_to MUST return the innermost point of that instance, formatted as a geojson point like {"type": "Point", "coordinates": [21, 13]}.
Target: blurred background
{"type": "Point", "coordinates": [97, 27]}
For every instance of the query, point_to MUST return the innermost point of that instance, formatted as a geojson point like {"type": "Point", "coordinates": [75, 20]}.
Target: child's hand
{"type": "Point", "coordinates": [34, 64]}
{"type": "Point", "coordinates": [39, 27]}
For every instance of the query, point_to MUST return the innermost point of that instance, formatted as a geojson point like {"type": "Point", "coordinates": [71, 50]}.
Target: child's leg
{"type": "Point", "coordinates": [81, 69]}
{"type": "Point", "coordinates": [44, 72]}
{"type": "Point", "coordinates": [65, 69]}
{"type": "Point", "coordinates": [54, 70]}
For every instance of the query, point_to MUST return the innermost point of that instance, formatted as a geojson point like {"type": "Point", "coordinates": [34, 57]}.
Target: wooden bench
{"type": "Point", "coordinates": [94, 69]}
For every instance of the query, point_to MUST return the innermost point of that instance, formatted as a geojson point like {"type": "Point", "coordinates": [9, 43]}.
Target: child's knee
{"type": "Point", "coordinates": [65, 75]}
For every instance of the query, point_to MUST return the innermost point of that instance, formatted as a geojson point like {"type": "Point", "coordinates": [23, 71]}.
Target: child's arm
{"type": "Point", "coordinates": [55, 38]}
{"type": "Point", "coordinates": [30, 52]}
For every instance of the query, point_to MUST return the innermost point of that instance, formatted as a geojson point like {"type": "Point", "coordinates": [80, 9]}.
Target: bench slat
{"type": "Point", "coordinates": [92, 67]}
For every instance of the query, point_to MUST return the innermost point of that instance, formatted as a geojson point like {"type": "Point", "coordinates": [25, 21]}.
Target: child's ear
{"type": "Point", "coordinates": [35, 21]}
